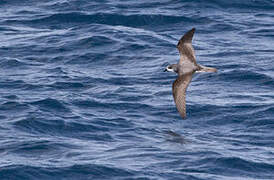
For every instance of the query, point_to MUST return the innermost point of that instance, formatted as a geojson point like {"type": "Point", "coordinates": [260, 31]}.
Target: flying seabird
{"type": "Point", "coordinates": [185, 68]}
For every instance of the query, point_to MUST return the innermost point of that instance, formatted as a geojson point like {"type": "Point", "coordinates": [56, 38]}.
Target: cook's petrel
{"type": "Point", "coordinates": [185, 68]}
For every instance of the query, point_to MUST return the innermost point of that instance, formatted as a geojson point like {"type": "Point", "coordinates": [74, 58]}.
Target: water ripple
{"type": "Point", "coordinates": [84, 96]}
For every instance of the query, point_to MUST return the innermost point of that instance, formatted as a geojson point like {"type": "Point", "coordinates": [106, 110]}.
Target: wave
{"type": "Point", "coordinates": [68, 85]}
{"type": "Point", "coordinates": [248, 77]}
{"type": "Point", "coordinates": [231, 167]}
{"type": "Point", "coordinates": [19, 84]}
{"type": "Point", "coordinates": [96, 41]}
{"type": "Point", "coordinates": [111, 19]}
{"type": "Point", "coordinates": [58, 127]}
{"type": "Point", "coordinates": [87, 171]}
{"type": "Point", "coordinates": [31, 147]}
{"type": "Point", "coordinates": [14, 106]}
{"type": "Point", "coordinates": [51, 104]}
{"type": "Point", "coordinates": [110, 105]}
{"type": "Point", "coordinates": [12, 63]}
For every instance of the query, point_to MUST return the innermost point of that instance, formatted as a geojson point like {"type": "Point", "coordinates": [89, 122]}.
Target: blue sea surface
{"type": "Point", "coordinates": [83, 94]}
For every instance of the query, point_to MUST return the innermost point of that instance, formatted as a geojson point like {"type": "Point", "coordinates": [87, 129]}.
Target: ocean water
{"type": "Point", "coordinates": [84, 96]}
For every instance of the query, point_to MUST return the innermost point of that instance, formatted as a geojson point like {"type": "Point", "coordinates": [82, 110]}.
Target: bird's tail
{"type": "Point", "coordinates": [206, 69]}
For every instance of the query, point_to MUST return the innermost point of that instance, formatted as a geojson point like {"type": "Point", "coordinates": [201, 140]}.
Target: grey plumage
{"type": "Point", "coordinates": [185, 68]}
{"type": "Point", "coordinates": [179, 87]}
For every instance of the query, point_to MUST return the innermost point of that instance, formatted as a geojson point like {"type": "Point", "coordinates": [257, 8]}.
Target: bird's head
{"type": "Point", "coordinates": [171, 68]}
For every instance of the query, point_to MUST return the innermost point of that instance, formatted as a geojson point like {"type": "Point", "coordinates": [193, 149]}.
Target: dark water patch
{"type": "Point", "coordinates": [262, 123]}
{"type": "Point", "coordinates": [8, 29]}
{"type": "Point", "coordinates": [247, 77]}
{"type": "Point", "coordinates": [113, 123]}
{"type": "Point", "coordinates": [18, 2]}
{"type": "Point", "coordinates": [205, 110]}
{"type": "Point", "coordinates": [12, 84]}
{"type": "Point", "coordinates": [221, 27]}
{"type": "Point", "coordinates": [133, 98]}
{"type": "Point", "coordinates": [88, 59]}
{"type": "Point", "coordinates": [234, 165]}
{"type": "Point", "coordinates": [110, 19]}
{"type": "Point", "coordinates": [13, 106]}
{"type": "Point", "coordinates": [68, 85]}
{"type": "Point", "coordinates": [51, 104]}
{"type": "Point", "coordinates": [217, 115]}
{"type": "Point", "coordinates": [87, 103]}
{"type": "Point", "coordinates": [12, 63]}
{"type": "Point", "coordinates": [151, 39]}
{"type": "Point", "coordinates": [265, 32]}
{"type": "Point", "coordinates": [35, 87]}
{"type": "Point", "coordinates": [94, 41]}
{"type": "Point", "coordinates": [85, 171]}
{"type": "Point", "coordinates": [265, 51]}
{"type": "Point", "coordinates": [3, 2]}
{"type": "Point", "coordinates": [127, 80]}
{"type": "Point", "coordinates": [234, 5]}
{"type": "Point", "coordinates": [128, 106]}
{"type": "Point", "coordinates": [56, 70]}
{"type": "Point", "coordinates": [253, 137]}
{"type": "Point", "coordinates": [260, 117]}
{"type": "Point", "coordinates": [122, 81]}
{"type": "Point", "coordinates": [53, 127]}
{"type": "Point", "coordinates": [143, 5]}
{"type": "Point", "coordinates": [111, 105]}
{"type": "Point", "coordinates": [89, 81]}
{"type": "Point", "coordinates": [138, 47]}
{"type": "Point", "coordinates": [11, 97]}
{"type": "Point", "coordinates": [257, 111]}
{"type": "Point", "coordinates": [241, 114]}
{"type": "Point", "coordinates": [3, 117]}
{"type": "Point", "coordinates": [36, 148]}
{"type": "Point", "coordinates": [235, 53]}
{"type": "Point", "coordinates": [230, 66]}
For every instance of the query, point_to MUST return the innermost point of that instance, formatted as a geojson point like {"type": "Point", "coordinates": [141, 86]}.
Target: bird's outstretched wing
{"type": "Point", "coordinates": [179, 92]}
{"type": "Point", "coordinates": [185, 47]}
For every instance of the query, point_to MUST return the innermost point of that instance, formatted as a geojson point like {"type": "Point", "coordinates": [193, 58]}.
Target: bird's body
{"type": "Point", "coordinates": [185, 68]}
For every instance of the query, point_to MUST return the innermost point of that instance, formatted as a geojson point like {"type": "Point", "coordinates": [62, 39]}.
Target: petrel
{"type": "Point", "coordinates": [185, 68]}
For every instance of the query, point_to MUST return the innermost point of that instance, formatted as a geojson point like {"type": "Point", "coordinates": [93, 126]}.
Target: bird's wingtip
{"type": "Point", "coordinates": [187, 37]}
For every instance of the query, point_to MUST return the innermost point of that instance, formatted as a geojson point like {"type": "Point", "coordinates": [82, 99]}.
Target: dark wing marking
{"type": "Point", "coordinates": [186, 38]}
{"type": "Point", "coordinates": [185, 47]}
{"type": "Point", "coordinates": [179, 92]}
